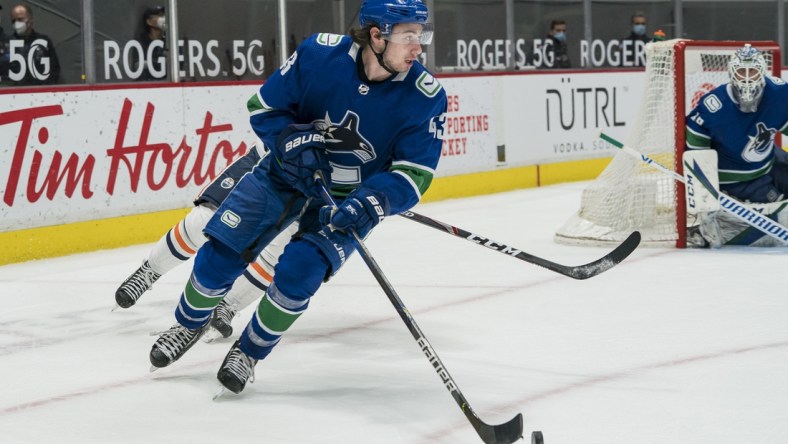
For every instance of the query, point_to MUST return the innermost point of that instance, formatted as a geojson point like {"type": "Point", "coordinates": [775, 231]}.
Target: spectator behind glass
{"type": "Point", "coordinates": [632, 46]}
{"type": "Point", "coordinates": [556, 52]}
{"type": "Point", "coordinates": [4, 55]}
{"type": "Point", "coordinates": [37, 62]}
{"type": "Point", "coordinates": [154, 25]}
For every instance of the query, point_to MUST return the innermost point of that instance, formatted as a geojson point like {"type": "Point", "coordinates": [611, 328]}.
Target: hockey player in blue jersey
{"type": "Point", "coordinates": [362, 111]}
{"type": "Point", "coordinates": [183, 240]}
{"type": "Point", "coordinates": [740, 120]}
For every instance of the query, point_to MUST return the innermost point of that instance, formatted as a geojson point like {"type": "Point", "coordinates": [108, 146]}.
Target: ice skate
{"type": "Point", "coordinates": [236, 370]}
{"type": "Point", "coordinates": [132, 288]}
{"type": "Point", "coordinates": [221, 322]}
{"type": "Point", "coordinates": [172, 344]}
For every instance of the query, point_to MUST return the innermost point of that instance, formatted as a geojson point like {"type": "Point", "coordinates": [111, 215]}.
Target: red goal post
{"type": "Point", "coordinates": [629, 195]}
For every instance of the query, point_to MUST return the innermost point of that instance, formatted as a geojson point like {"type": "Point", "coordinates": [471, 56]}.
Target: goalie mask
{"type": "Point", "coordinates": [747, 70]}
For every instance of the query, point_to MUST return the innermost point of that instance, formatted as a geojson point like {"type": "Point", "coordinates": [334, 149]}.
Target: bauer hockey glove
{"type": "Point", "coordinates": [361, 210]}
{"type": "Point", "coordinates": [301, 152]}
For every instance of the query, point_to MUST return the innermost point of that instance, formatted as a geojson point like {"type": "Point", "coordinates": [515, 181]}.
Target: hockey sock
{"type": "Point", "coordinates": [275, 314]}
{"type": "Point", "coordinates": [197, 303]}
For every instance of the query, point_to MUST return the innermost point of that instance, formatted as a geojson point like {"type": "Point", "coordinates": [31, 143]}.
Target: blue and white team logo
{"type": "Point", "coordinates": [428, 85]}
{"type": "Point", "coordinates": [344, 137]}
{"type": "Point", "coordinates": [227, 183]}
{"type": "Point", "coordinates": [230, 219]}
{"type": "Point", "coordinates": [712, 103]}
{"type": "Point", "coordinates": [327, 39]}
{"type": "Point", "coordinates": [760, 145]}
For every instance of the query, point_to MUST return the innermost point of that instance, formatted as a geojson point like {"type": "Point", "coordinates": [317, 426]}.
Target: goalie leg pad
{"type": "Point", "coordinates": [699, 198]}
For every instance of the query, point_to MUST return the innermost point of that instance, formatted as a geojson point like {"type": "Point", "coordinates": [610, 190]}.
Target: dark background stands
{"type": "Point", "coordinates": [636, 38]}
{"type": "Point", "coordinates": [558, 49]}
{"type": "Point", "coordinates": [38, 64]}
{"type": "Point", "coordinates": [153, 29]}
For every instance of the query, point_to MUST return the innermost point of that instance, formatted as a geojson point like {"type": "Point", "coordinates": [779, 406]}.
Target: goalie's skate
{"type": "Point", "coordinates": [221, 325]}
{"type": "Point", "coordinates": [236, 370]}
{"type": "Point", "coordinates": [132, 288]}
{"type": "Point", "coordinates": [172, 344]}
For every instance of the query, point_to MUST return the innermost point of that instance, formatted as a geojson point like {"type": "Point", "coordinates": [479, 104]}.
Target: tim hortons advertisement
{"type": "Point", "coordinates": [73, 154]}
{"type": "Point", "coordinates": [70, 156]}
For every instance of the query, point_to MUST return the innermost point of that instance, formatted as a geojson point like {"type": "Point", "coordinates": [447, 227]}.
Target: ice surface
{"type": "Point", "coordinates": [670, 346]}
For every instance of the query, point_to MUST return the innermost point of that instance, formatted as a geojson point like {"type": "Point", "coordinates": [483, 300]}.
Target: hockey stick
{"type": "Point", "coordinates": [586, 271]}
{"type": "Point", "coordinates": [729, 204]}
{"type": "Point", "coordinates": [506, 433]}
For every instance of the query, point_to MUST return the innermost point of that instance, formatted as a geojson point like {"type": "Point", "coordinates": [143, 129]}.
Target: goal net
{"type": "Point", "coordinates": [630, 195]}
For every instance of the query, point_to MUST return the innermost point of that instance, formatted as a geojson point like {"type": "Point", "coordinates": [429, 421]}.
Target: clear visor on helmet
{"type": "Point", "coordinates": [411, 33]}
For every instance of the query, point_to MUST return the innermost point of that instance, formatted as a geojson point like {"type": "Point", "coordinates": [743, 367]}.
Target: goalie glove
{"type": "Point", "coordinates": [300, 153]}
{"type": "Point", "coordinates": [362, 210]}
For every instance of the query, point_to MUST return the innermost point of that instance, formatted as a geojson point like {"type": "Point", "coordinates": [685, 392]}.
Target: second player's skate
{"type": "Point", "coordinates": [221, 325]}
{"type": "Point", "coordinates": [135, 285]}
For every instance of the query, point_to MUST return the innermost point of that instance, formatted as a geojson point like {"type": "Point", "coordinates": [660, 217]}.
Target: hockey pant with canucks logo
{"type": "Point", "coordinates": [182, 241]}
{"type": "Point", "coordinates": [247, 220]}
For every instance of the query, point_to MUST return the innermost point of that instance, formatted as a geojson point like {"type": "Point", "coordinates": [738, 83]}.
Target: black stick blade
{"type": "Point", "coordinates": [607, 262]}
{"type": "Point", "coordinates": [586, 271]}
{"type": "Point", "coordinates": [506, 433]}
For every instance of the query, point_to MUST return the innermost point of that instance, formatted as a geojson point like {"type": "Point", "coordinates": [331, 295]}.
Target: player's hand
{"type": "Point", "coordinates": [301, 152]}
{"type": "Point", "coordinates": [362, 210]}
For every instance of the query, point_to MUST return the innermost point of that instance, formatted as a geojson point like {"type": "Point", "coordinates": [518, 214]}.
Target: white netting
{"type": "Point", "coordinates": [630, 195]}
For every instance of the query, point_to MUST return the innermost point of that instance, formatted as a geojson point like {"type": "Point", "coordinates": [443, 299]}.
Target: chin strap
{"type": "Point", "coordinates": [379, 56]}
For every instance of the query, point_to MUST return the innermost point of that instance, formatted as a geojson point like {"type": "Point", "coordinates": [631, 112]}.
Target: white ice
{"type": "Point", "coordinates": [670, 346]}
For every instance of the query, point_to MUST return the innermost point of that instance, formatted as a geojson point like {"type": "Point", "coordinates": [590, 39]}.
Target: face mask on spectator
{"type": "Point", "coordinates": [560, 36]}
{"type": "Point", "coordinates": [161, 22]}
{"type": "Point", "coordinates": [20, 26]}
{"type": "Point", "coordinates": [639, 29]}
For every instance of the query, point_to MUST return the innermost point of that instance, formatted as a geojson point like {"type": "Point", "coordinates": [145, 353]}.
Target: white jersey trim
{"type": "Point", "coordinates": [265, 107]}
{"type": "Point", "coordinates": [410, 181]}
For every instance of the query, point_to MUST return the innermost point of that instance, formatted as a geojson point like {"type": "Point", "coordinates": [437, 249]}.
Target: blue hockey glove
{"type": "Point", "coordinates": [301, 152]}
{"type": "Point", "coordinates": [361, 210]}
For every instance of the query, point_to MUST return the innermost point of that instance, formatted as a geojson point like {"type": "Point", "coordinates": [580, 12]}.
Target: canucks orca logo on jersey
{"type": "Point", "coordinates": [760, 145]}
{"type": "Point", "coordinates": [344, 137]}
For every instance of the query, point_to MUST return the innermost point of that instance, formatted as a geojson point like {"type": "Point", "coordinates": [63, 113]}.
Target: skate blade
{"type": "Point", "coordinates": [153, 368]}
{"type": "Point", "coordinates": [211, 335]}
{"type": "Point", "coordinates": [115, 308]}
{"type": "Point", "coordinates": [222, 390]}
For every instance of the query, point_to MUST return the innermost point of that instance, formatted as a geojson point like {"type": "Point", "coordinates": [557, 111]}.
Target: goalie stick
{"type": "Point", "coordinates": [729, 204]}
{"type": "Point", "coordinates": [586, 271]}
{"type": "Point", "coordinates": [505, 433]}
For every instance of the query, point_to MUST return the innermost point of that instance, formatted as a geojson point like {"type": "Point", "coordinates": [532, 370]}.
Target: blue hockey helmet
{"type": "Point", "coordinates": [747, 70]}
{"type": "Point", "coordinates": [387, 13]}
